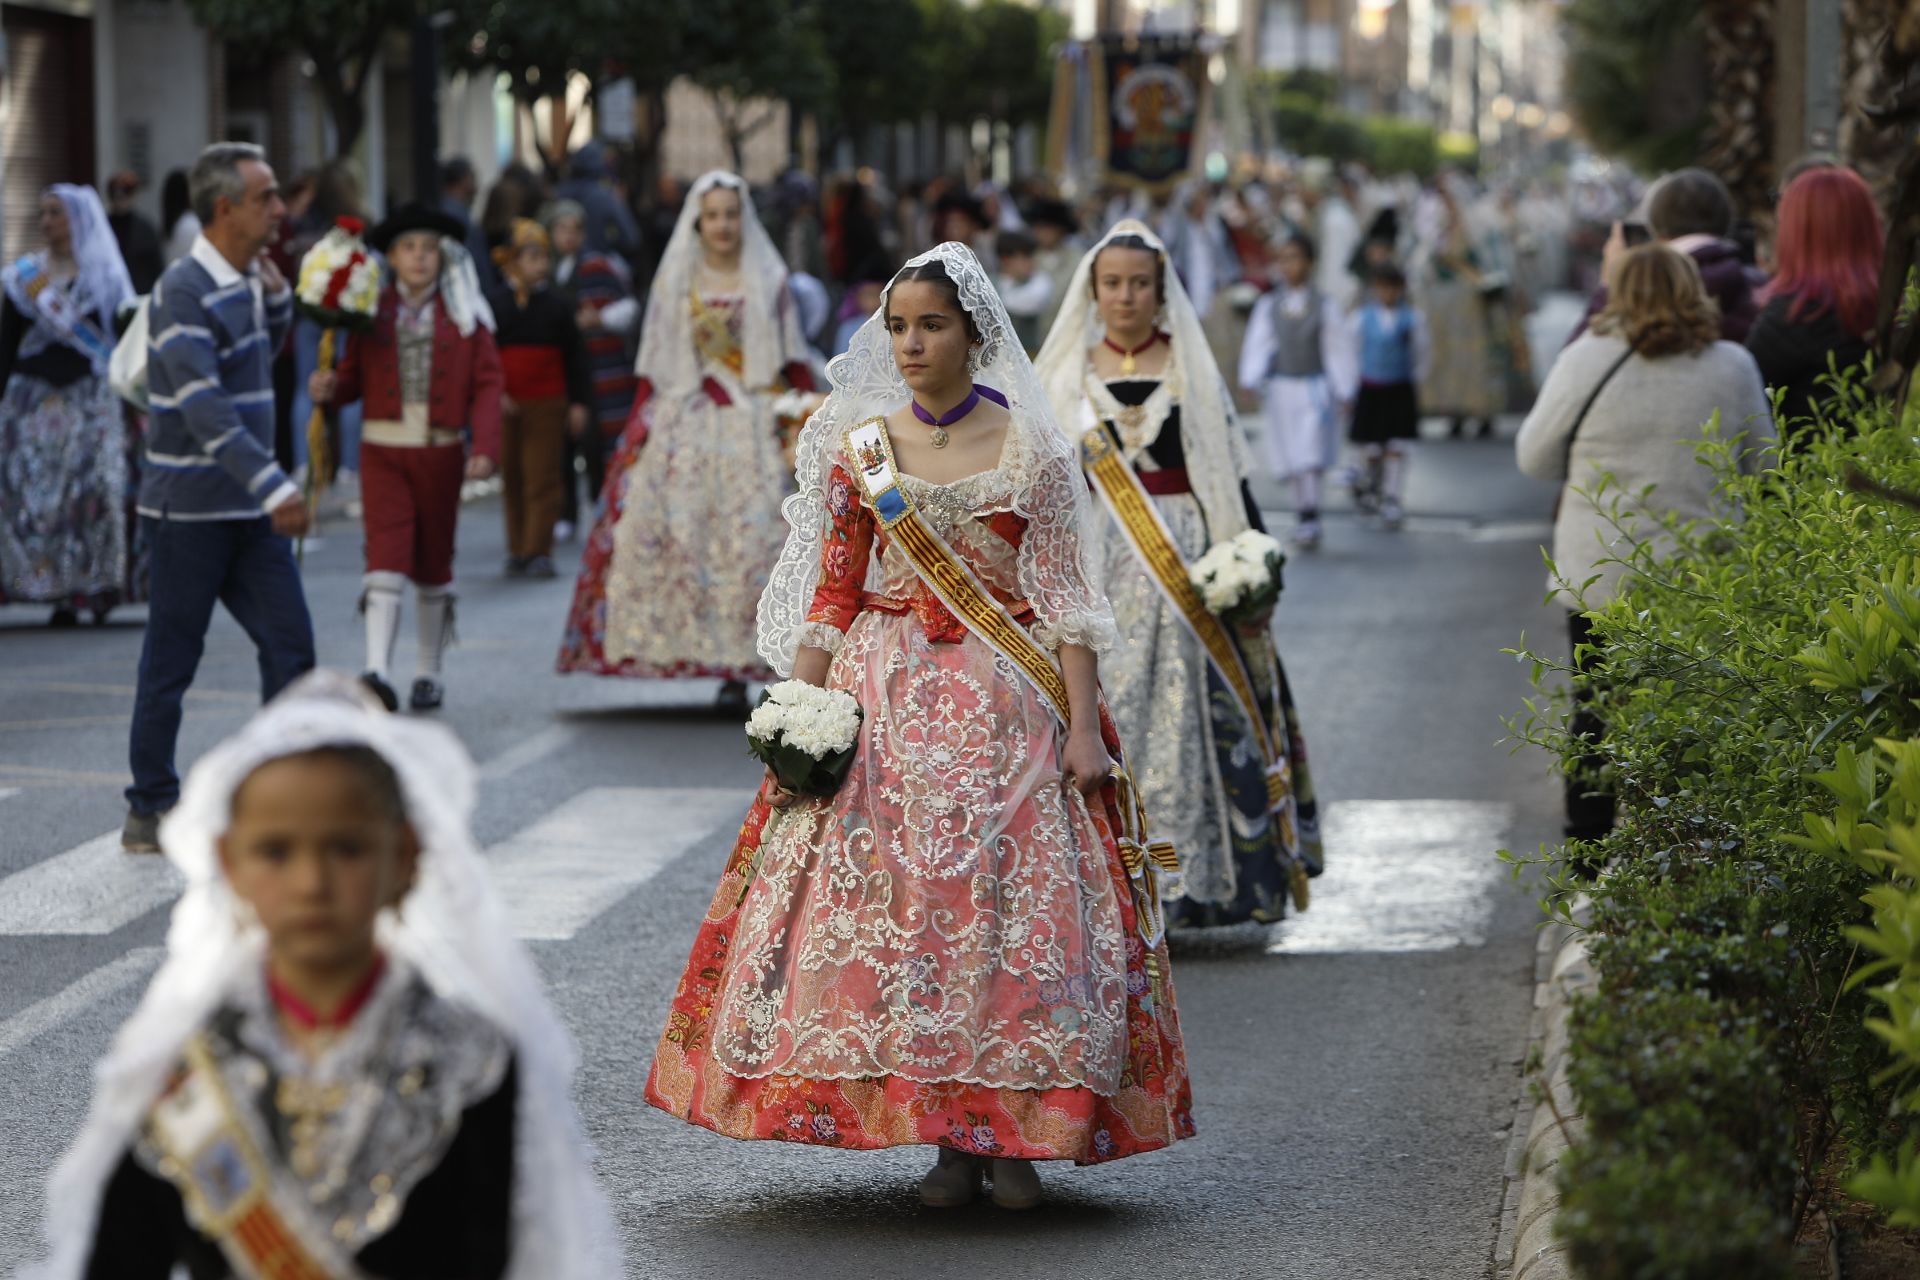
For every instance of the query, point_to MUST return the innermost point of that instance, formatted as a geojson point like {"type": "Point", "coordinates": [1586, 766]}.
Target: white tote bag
{"type": "Point", "coordinates": [127, 371]}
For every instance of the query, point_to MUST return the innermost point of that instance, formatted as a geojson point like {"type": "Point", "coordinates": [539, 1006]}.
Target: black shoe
{"type": "Point", "coordinates": [732, 698]}
{"type": "Point", "coordinates": [64, 617]}
{"type": "Point", "coordinates": [1458, 428]}
{"type": "Point", "coordinates": [379, 688]}
{"type": "Point", "coordinates": [540, 567]}
{"type": "Point", "coordinates": [426, 695]}
{"type": "Point", "coordinates": [516, 567]}
{"type": "Point", "coordinates": [1485, 430]}
{"type": "Point", "coordinates": [141, 834]}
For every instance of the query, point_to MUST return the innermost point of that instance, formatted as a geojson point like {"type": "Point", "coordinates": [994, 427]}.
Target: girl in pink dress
{"type": "Point", "coordinates": [961, 946]}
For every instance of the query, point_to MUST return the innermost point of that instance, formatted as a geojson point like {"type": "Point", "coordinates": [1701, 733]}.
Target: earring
{"type": "Point", "coordinates": [244, 916]}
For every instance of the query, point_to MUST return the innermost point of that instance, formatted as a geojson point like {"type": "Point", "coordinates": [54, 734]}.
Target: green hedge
{"type": "Point", "coordinates": [1736, 1048]}
{"type": "Point", "coordinates": [1306, 122]}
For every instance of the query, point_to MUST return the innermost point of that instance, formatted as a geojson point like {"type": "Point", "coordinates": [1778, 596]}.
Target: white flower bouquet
{"type": "Point", "coordinates": [1239, 579]}
{"type": "Point", "coordinates": [806, 735]}
{"type": "Point", "coordinates": [339, 284]}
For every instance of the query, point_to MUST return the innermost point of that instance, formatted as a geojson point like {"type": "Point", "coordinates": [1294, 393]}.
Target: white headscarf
{"type": "Point", "coordinates": [770, 326]}
{"type": "Point", "coordinates": [1210, 435]}
{"type": "Point", "coordinates": [455, 932]}
{"type": "Point", "coordinates": [460, 290]}
{"type": "Point", "coordinates": [101, 282]}
{"type": "Point", "coordinates": [1044, 483]}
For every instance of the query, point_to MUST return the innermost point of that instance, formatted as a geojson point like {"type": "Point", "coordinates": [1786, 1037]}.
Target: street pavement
{"type": "Point", "coordinates": [1356, 1069]}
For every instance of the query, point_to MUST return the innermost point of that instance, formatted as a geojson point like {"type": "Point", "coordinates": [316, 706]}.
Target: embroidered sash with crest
{"type": "Point", "coordinates": [54, 305]}
{"type": "Point", "coordinates": [944, 572]}
{"type": "Point", "coordinates": [870, 450]}
{"type": "Point", "coordinates": [1120, 489]}
{"type": "Point", "coordinates": [231, 1196]}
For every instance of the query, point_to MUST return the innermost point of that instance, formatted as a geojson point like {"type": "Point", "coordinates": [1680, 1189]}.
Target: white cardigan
{"type": "Point", "coordinates": [1638, 431]}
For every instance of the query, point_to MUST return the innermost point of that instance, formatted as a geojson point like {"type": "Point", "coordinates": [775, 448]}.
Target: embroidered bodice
{"type": "Point", "coordinates": [717, 326]}
{"type": "Point", "coordinates": [1009, 524]}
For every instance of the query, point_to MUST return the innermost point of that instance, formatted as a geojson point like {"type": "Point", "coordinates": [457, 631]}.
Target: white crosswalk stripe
{"type": "Point", "coordinates": [93, 888]}
{"type": "Point", "coordinates": [595, 849]}
{"type": "Point", "coordinates": [558, 874]}
{"type": "Point", "coordinates": [104, 983]}
{"type": "Point", "coordinates": [1402, 876]}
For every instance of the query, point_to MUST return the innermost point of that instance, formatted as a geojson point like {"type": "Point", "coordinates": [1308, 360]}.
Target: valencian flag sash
{"type": "Point", "coordinates": [1149, 97]}
{"type": "Point", "coordinates": [1152, 542]}
{"type": "Point", "coordinates": [945, 574]}
{"type": "Point", "coordinates": [230, 1193]}
{"type": "Point", "coordinates": [871, 451]}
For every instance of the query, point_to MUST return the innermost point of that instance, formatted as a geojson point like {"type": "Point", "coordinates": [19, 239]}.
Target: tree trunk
{"type": "Point", "coordinates": [1874, 149]}
{"type": "Point", "coordinates": [1738, 142]}
{"type": "Point", "coordinates": [344, 103]}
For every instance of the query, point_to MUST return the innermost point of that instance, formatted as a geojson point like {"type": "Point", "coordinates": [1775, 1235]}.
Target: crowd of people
{"type": "Point", "coordinates": [981, 522]}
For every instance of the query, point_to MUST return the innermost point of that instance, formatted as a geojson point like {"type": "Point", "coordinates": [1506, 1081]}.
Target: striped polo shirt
{"type": "Point", "coordinates": [210, 346]}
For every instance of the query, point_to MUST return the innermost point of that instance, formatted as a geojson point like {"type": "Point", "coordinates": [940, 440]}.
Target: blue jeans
{"type": "Point", "coordinates": [247, 567]}
{"type": "Point", "coordinates": [306, 358]}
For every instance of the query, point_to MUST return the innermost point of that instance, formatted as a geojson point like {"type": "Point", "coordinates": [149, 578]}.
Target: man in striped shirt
{"type": "Point", "coordinates": [218, 509]}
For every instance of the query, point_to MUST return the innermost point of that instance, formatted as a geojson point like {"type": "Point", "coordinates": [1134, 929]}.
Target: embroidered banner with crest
{"type": "Point", "coordinates": [1149, 98]}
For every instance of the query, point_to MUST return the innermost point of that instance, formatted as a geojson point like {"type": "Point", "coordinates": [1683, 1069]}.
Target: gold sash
{"type": "Point", "coordinates": [228, 1188]}
{"type": "Point", "coordinates": [1120, 489]}
{"type": "Point", "coordinates": [871, 451]}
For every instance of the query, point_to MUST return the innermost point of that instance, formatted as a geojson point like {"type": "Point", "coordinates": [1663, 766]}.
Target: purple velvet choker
{"type": "Point", "coordinates": [939, 436]}
{"type": "Point", "coordinates": [952, 415]}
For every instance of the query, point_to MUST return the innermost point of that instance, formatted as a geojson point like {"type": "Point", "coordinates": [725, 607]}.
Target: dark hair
{"type": "Point", "coordinates": [1131, 241]}
{"type": "Point", "coordinates": [1015, 244]}
{"type": "Point", "coordinates": [455, 170]}
{"type": "Point", "coordinates": [383, 784]}
{"type": "Point", "coordinates": [1690, 202]}
{"type": "Point", "coordinates": [1304, 243]}
{"type": "Point", "coordinates": [175, 200]}
{"type": "Point", "coordinates": [933, 272]}
{"type": "Point", "coordinates": [1387, 273]}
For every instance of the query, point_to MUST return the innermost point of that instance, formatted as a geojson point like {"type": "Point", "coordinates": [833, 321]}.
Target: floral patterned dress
{"type": "Point", "coordinates": [67, 478]}
{"type": "Point", "coordinates": [689, 523]}
{"type": "Point", "coordinates": [944, 951]}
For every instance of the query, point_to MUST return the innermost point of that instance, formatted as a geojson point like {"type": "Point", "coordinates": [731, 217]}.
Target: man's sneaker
{"type": "Point", "coordinates": [1306, 535]}
{"type": "Point", "coordinates": [540, 567]}
{"type": "Point", "coordinates": [1391, 517]}
{"type": "Point", "coordinates": [426, 695]}
{"type": "Point", "coordinates": [377, 685]}
{"type": "Point", "coordinates": [516, 567]}
{"type": "Point", "coordinates": [141, 834]}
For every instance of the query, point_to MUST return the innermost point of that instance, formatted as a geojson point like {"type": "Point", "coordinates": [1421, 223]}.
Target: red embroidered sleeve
{"type": "Point", "coordinates": [844, 548]}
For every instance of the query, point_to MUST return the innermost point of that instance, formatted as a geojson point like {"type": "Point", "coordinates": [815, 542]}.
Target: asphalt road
{"type": "Point", "coordinates": [1355, 1069]}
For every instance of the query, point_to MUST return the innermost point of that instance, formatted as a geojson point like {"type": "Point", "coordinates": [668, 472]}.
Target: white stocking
{"type": "Point", "coordinates": [1306, 491]}
{"type": "Point", "coordinates": [1394, 474]}
{"type": "Point", "coordinates": [380, 603]}
{"type": "Point", "coordinates": [436, 628]}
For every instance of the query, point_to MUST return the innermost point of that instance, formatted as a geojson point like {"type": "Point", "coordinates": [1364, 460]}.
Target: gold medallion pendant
{"type": "Point", "coordinates": [939, 437]}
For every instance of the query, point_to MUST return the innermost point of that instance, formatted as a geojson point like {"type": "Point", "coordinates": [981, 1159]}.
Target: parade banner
{"type": "Point", "coordinates": [1149, 99]}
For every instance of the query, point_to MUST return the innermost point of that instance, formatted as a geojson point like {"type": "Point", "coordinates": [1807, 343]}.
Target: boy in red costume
{"type": "Point", "coordinates": [429, 374]}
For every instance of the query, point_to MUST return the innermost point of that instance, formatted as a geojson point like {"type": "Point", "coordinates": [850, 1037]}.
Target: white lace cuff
{"type": "Point", "coordinates": [1095, 631]}
{"type": "Point", "coordinates": [822, 635]}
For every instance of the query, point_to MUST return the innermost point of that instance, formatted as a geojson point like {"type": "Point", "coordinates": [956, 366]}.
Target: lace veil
{"type": "Point", "coordinates": [101, 282]}
{"type": "Point", "coordinates": [770, 324]}
{"type": "Point", "coordinates": [1057, 564]}
{"type": "Point", "coordinates": [453, 930]}
{"type": "Point", "coordinates": [1210, 434]}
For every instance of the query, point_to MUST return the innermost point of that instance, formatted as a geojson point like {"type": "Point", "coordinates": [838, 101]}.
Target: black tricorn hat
{"type": "Point", "coordinates": [414, 217]}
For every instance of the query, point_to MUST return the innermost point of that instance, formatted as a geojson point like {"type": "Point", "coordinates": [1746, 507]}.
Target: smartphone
{"type": "Point", "coordinates": [1635, 234]}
